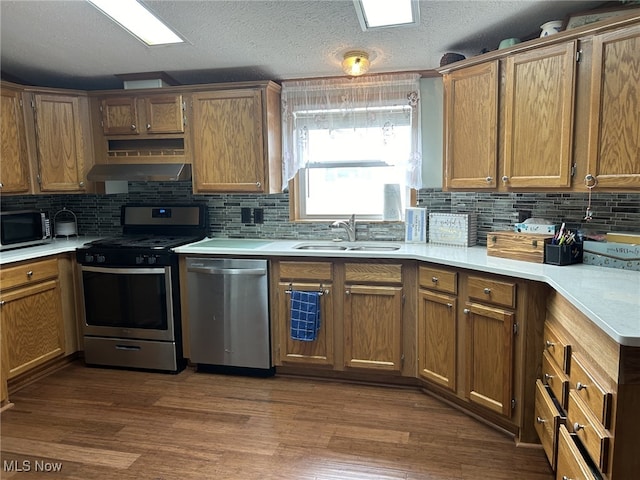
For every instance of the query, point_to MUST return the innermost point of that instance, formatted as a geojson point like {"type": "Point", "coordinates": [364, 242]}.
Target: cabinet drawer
{"type": "Point", "coordinates": [555, 378]}
{"type": "Point", "coordinates": [28, 273]}
{"type": "Point", "coordinates": [438, 279]}
{"type": "Point", "coordinates": [596, 398]}
{"type": "Point", "coordinates": [370, 272]}
{"type": "Point", "coordinates": [557, 348]}
{"type": "Point", "coordinates": [492, 291]}
{"type": "Point", "coordinates": [595, 438]}
{"type": "Point", "coordinates": [571, 463]}
{"type": "Point", "coordinates": [549, 417]}
{"type": "Point", "coordinates": [306, 270]}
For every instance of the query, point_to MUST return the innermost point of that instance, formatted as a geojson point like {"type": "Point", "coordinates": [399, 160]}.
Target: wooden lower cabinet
{"type": "Point", "coordinates": [489, 349]}
{"type": "Point", "coordinates": [437, 335]}
{"type": "Point", "coordinates": [373, 327]}
{"type": "Point", "coordinates": [32, 320]}
{"type": "Point", "coordinates": [310, 276]}
{"type": "Point", "coordinates": [600, 439]}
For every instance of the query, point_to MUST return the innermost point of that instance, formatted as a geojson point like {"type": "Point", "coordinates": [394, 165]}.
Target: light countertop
{"type": "Point", "coordinates": [55, 247]}
{"type": "Point", "coordinates": [609, 297]}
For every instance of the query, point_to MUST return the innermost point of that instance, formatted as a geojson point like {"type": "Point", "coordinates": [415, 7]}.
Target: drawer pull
{"type": "Point", "coordinates": [449, 305]}
{"type": "Point", "coordinates": [577, 427]}
{"type": "Point", "coordinates": [564, 477]}
{"type": "Point", "coordinates": [466, 311]}
{"type": "Point", "coordinates": [540, 420]}
{"type": "Point", "coordinates": [30, 273]}
{"type": "Point", "coordinates": [434, 279]}
{"type": "Point", "coordinates": [487, 291]}
{"type": "Point", "coordinates": [549, 344]}
{"type": "Point", "coordinates": [580, 386]}
{"type": "Point", "coordinates": [547, 377]}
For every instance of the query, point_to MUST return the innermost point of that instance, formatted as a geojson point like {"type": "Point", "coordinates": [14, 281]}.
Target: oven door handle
{"type": "Point", "coordinates": [126, 270]}
{"type": "Point", "coordinates": [228, 271]}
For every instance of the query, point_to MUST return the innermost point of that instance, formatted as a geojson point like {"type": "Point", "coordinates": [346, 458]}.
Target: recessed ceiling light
{"type": "Point", "coordinates": [384, 13]}
{"type": "Point", "coordinates": [137, 20]}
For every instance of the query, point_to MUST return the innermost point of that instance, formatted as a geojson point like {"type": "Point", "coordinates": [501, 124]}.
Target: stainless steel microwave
{"type": "Point", "coordinates": [24, 228]}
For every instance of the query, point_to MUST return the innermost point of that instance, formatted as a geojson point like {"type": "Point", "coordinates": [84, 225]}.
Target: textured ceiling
{"type": "Point", "coordinates": [70, 44]}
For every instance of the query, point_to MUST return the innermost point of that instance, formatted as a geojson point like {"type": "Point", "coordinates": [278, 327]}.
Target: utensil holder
{"type": "Point", "coordinates": [562, 254]}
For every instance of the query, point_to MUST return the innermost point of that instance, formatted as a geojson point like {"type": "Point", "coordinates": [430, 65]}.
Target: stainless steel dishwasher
{"type": "Point", "coordinates": [229, 315]}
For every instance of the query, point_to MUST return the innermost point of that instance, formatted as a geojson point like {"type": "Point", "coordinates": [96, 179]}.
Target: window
{"type": "Point", "coordinates": [352, 145]}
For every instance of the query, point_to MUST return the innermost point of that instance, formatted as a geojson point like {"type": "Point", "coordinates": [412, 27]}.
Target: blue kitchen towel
{"type": "Point", "coordinates": [305, 315]}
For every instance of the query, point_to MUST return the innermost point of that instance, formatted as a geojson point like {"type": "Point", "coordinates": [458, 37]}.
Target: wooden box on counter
{"type": "Point", "coordinates": [528, 247]}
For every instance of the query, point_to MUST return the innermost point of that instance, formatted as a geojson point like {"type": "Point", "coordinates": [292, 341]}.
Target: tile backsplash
{"type": "Point", "coordinates": [100, 214]}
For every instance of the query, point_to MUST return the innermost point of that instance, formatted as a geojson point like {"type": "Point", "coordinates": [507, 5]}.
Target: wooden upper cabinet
{"type": "Point", "coordinates": [14, 175]}
{"type": "Point", "coordinates": [228, 141]}
{"type": "Point", "coordinates": [471, 127]}
{"type": "Point", "coordinates": [538, 117]}
{"type": "Point", "coordinates": [140, 114]}
{"type": "Point", "coordinates": [614, 127]}
{"type": "Point", "coordinates": [119, 116]}
{"type": "Point", "coordinates": [164, 114]}
{"type": "Point", "coordinates": [60, 142]}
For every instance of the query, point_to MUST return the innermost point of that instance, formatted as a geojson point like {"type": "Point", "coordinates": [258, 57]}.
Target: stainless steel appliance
{"type": "Point", "coordinates": [229, 315]}
{"type": "Point", "coordinates": [24, 228]}
{"type": "Point", "coordinates": [131, 290]}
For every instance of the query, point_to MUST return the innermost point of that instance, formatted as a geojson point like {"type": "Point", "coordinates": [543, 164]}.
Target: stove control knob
{"type": "Point", "coordinates": [152, 260]}
{"type": "Point", "coordinates": [88, 258]}
{"type": "Point", "coordinates": [139, 259]}
{"type": "Point", "coordinates": [100, 258]}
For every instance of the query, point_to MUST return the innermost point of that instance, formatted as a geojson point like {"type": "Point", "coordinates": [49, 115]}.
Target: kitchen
{"type": "Point", "coordinates": [99, 215]}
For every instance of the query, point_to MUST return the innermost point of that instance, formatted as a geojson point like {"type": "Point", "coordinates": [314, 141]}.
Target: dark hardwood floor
{"type": "Point", "coordinates": [114, 424]}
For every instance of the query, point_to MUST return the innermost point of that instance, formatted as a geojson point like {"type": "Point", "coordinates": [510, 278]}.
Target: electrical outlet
{"type": "Point", "coordinates": [245, 215]}
{"type": "Point", "coordinates": [258, 215]}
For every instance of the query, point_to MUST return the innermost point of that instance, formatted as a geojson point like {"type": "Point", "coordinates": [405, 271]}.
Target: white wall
{"type": "Point", "coordinates": [431, 96]}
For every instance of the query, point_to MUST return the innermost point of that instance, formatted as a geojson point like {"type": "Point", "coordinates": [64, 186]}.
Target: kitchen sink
{"type": "Point", "coordinates": [355, 247]}
{"type": "Point", "coordinates": [320, 246]}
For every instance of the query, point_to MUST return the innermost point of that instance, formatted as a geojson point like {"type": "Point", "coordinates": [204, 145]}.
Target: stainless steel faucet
{"type": "Point", "coordinates": [349, 226]}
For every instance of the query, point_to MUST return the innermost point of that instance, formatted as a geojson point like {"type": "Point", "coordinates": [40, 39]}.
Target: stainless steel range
{"type": "Point", "coordinates": [131, 289]}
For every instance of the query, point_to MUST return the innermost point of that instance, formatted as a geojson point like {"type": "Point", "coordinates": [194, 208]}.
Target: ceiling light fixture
{"type": "Point", "coordinates": [355, 63]}
{"type": "Point", "coordinates": [137, 20]}
{"type": "Point", "coordinates": [374, 14]}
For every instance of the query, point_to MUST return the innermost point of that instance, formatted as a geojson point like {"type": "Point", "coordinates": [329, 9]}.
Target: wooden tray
{"type": "Point", "coordinates": [528, 247]}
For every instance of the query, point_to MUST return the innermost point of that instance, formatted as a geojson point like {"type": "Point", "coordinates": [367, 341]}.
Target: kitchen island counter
{"type": "Point", "coordinates": [608, 297]}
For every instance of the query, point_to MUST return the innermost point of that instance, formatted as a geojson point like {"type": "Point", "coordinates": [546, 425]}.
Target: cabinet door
{"type": "Point", "coordinates": [164, 114]}
{"type": "Point", "coordinates": [59, 143]}
{"type": "Point", "coordinates": [228, 141]}
{"type": "Point", "coordinates": [471, 127]}
{"type": "Point", "coordinates": [14, 175]}
{"type": "Point", "coordinates": [437, 334]}
{"type": "Point", "coordinates": [317, 352]}
{"type": "Point", "coordinates": [372, 327]}
{"type": "Point", "coordinates": [538, 117]}
{"type": "Point", "coordinates": [489, 338]}
{"type": "Point", "coordinates": [32, 326]}
{"type": "Point", "coordinates": [119, 116]}
{"type": "Point", "coordinates": [614, 124]}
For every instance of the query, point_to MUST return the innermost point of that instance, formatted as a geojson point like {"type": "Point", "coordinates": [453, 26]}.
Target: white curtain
{"type": "Point", "coordinates": [349, 102]}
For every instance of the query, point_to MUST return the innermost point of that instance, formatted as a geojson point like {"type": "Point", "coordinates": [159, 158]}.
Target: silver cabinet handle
{"type": "Point", "coordinates": [449, 305]}
{"type": "Point", "coordinates": [547, 377]}
{"type": "Point", "coordinates": [30, 273]}
{"type": "Point", "coordinates": [133, 126]}
{"type": "Point", "coordinates": [148, 126]}
{"type": "Point", "coordinates": [347, 292]}
{"type": "Point", "coordinates": [489, 179]}
{"type": "Point", "coordinates": [258, 184]}
{"type": "Point", "coordinates": [466, 311]}
{"type": "Point", "coordinates": [580, 386]}
{"type": "Point", "coordinates": [505, 179]}
{"type": "Point", "coordinates": [540, 420]}
{"type": "Point", "coordinates": [577, 427]}
{"type": "Point", "coordinates": [487, 291]}
{"type": "Point", "coordinates": [549, 344]}
{"type": "Point", "coordinates": [2, 302]}
{"type": "Point", "coordinates": [1, 185]}
{"type": "Point", "coordinates": [434, 279]}
{"type": "Point", "coordinates": [81, 184]}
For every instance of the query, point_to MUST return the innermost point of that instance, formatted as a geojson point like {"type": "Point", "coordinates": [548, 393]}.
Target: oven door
{"type": "Point", "coordinates": [128, 302]}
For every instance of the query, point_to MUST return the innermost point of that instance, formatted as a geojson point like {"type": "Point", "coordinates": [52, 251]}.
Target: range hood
{"type": "Point", "coordinates": [140, 172]}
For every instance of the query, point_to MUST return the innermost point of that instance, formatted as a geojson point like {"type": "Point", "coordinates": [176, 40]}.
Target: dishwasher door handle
{"type": "Point", "coordinates": [228, 271]}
